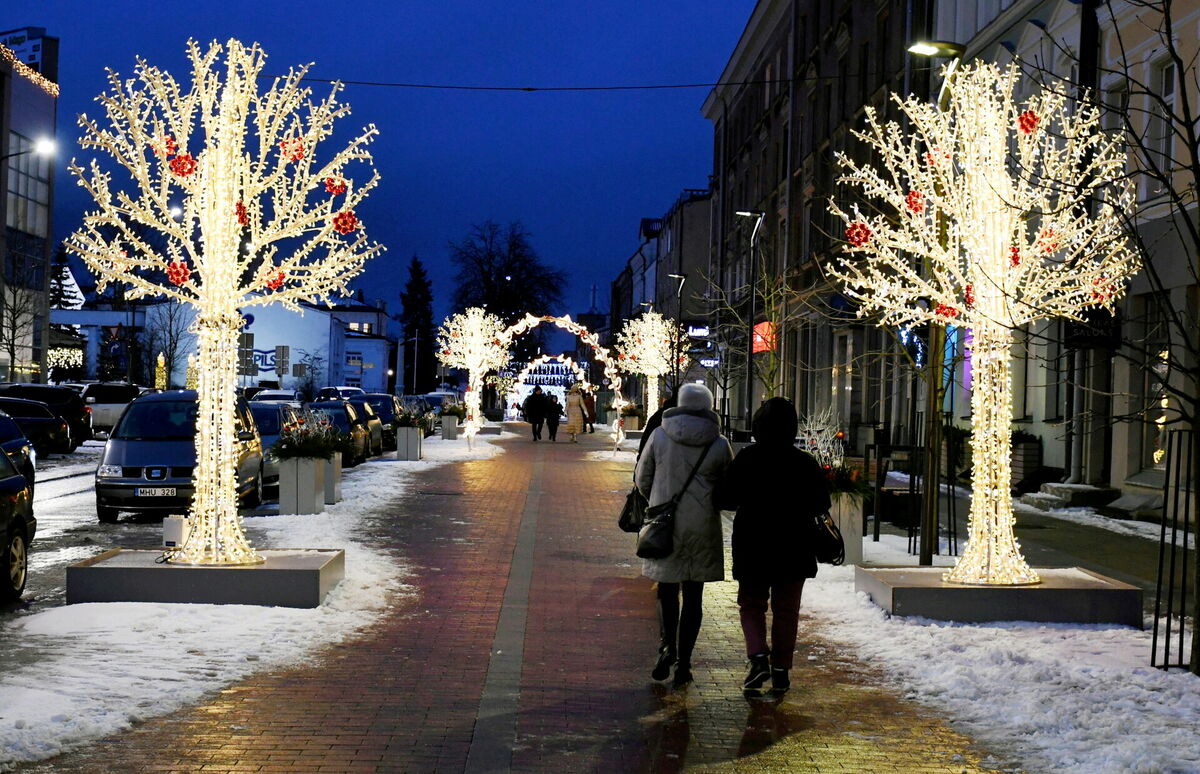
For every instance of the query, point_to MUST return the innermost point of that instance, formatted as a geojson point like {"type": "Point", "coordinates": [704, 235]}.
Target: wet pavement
{"type": "Point", "coordinates": [524, 645]}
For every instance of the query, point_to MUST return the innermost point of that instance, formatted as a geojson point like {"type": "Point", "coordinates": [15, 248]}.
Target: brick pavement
{"type": "Point", "coordinates": [406, 696]}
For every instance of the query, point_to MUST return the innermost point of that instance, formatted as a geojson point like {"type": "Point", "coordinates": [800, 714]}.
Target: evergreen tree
{"type": "Point", "coordinates": [64, 291]}
{"type": "Point", "coordinates": [416, 320]}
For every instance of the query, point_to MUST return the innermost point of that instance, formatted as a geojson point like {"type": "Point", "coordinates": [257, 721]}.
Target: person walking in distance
{"type": "Point", "coordinates": [689, 436]}
{"type": "Point", "coordinates": [589, 411]}
{"type": "Point", "coordinates": [575, 413]}
{"type": "Point", "coordinates": [776, 490]}
{"type": "Point", "coordinates": [535, 408]}
{"type": "Point", "coordinates": [554, 412]}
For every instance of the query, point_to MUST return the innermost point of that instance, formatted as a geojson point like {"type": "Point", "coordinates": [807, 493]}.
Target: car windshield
{"type": "Point", "coordinates": [267, 419]}
{"type": "Point", "coordinates": [383, 407]}
{"type": "Point", "coordinates": [159, 420]}
{"type": "Point", "coordinates": [111, 393]}
{"type": "Point", "coordinates": [14, 409]}
{"type": "Point", "coordinates": [337, 415]}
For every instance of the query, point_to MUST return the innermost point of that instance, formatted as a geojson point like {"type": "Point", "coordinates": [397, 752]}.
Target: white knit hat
{"type": "Point", "coordinates": [695, 397]}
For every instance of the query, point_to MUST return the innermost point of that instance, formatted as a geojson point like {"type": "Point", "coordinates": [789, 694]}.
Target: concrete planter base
{"type": "Point", "coordinates": [408, 443]}
{"type": "Point", "coordinates": [449, 428]}
{"type": "Point", "coordinates": [632, 422]}
{"type": "Point", "coordinates": [287, 578]}
{"type": "Point", "coordinates": [847, 514]}
{"type": "Point", "coordinates": [333, 480]}
{"type": "Point", "coordinates": [302, 485]}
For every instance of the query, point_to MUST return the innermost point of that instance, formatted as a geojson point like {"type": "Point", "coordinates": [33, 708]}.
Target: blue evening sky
{"type": "Point", "coordinates": [580, 169]}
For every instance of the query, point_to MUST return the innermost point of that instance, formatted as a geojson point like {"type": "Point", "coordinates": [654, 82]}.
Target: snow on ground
{"type": "Point", "coordinates": [102, 667]}
{"type": "Point", "coordinates": [1065, 698]}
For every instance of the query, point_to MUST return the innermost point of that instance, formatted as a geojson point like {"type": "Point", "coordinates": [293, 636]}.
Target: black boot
{"type": "Point", "coordinates": [683, 675]}
{"type": "Point", "coordinates": [760, 672]}
{"type": "Point", "coordinates": [780, 682]}
{"type": "Point", "coordinates": [662, 667]}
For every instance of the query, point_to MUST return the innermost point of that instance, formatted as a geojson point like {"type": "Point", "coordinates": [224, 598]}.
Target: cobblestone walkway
{"type": "Point", "coordinates": [526, 648]}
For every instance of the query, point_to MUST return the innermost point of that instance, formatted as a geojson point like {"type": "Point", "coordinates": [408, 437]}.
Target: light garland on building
{"type": "Point", "coordinates": [36, 78]}
{"type": "Point", "coordinates": [651, 345]}
{"type": "Point", "coordinates": [64, 357]}
{"type": "Point", "coordinates": [230, 178]}
{"type": "Point", "coordinates": [982, 218]}
{"type": "Point", "coordinates": [476, 341]}
{"type": "Point", "coordinates": [565, 360]}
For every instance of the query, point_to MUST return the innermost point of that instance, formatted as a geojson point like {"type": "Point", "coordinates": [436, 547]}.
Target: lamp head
{"type": "Point", "coordinates": [45, 146]}
{"type": "Point", "coordinates": [939, 48]}
{"type": "Point", "coordinates": [750, 213]}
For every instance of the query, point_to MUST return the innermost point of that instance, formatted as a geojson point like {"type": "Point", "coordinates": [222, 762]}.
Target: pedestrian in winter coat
{"type": "Point", "coordinates": [777, 490]}
{"type": "Point", "coordinates": [554, 412]}
{"type": "Point", "coordinates": [687, 432]}
{"type": "Point", "coordinates": [575, 418]}
{"type": "Point", "coordinates": [535, 408]}
{"type": "Point", "coordinates": [589, 410]}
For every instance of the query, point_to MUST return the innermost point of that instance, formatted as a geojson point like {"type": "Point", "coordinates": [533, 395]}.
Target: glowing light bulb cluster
{"type": "Point", "coordinates": [160, 372]}
{"type": "Point", "coordinates": [651, 345]}
{"type": "Point", "coordinates": [19, 67]}
{"type": "Point", "coordinates": [241, 219]}
{"type": "Point", "coordinates": [983, 215]}
{"type": "Point", "coordinates": [567, 361]}
{"type": "Point", "coordinates": [64, 357]}
{"type": "Point", "coordinates": [476, 341]}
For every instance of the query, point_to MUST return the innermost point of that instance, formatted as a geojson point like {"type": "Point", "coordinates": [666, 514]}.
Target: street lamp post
{"type": "Point", "coordinates": [758, 215]}
{"type": "Point", "coordinates": [678, 325]}
{"type": "Point", "coordinates": [935, 357]}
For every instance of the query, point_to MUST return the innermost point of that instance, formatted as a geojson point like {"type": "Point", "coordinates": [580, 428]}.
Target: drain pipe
{"type": "Point", "coordinates": [1075, 461]}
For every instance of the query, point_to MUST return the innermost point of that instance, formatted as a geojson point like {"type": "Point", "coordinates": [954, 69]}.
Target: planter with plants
{"type": "Point", "coordinates": [632, 416]}
{"type": "Point", "coordinates": [303, 451]}
{"type": "Point", "coordinates": [453, 415]}
{"type": "Point", "coordinates": [410, 429]}
{"type": "Point", "coordinates": [848, 487]}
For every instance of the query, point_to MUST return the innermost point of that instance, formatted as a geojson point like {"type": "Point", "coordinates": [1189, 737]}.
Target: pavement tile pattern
{"type": "Point", "coordinates": [406, 696]}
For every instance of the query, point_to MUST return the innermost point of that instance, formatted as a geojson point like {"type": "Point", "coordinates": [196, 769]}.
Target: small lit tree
{"type": "Point", "coordinates": [228, 177]}
{"type": "Point", "coordinates": [989, 215]}
{"type": "Point", "coordinates": [651, 345]}
{"type": "Point", "coordinates": [820, 434]}
{"type": "Point", "coordinates": [476, 341]}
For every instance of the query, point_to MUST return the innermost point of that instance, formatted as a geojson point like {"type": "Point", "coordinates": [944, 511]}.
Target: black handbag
{"type": "Point", "coordinates": [828, 544]}
{"type": "Point", "coordinates": [633, 515]}
{"type": "Point", "coordinates": [656, 540]}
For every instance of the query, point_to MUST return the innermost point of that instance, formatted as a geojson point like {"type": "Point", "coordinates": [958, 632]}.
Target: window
{"type": "Point", "coordinates": [354, 359]}
{"type": "Point", "coordinates": [1159, 137]}
{"type": "Point", "coordinates": [28, 188]}
{"type": "Point", "coordinates": [361, 327]}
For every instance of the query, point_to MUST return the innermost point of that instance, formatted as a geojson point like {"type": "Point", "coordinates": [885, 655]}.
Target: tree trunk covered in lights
{"type": "Point", "coordinates": [651, 395]}
{"type": "Point", "coordinates": [992, 555]}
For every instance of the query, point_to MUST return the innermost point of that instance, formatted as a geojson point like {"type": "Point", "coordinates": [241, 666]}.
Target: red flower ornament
{"type": "Point", "coordinates": [1028, 121]}
{"type": "Point", "coordinates": [345, 222]}
{"type": "Point", "coordinates": [969, 295]}
{"type": "Point", "coordinates": [335, 185]}
{"type": "Point", "coordinates": [293, 148]}
{"type": "Point", "coordinates": [1014, 256]}
{"type": "Point", "coordinates": [1047, 240]}
{"type": "Point", "coordinates": [242, 216]}
{"type": "Point", "coordinates": [275, 281]}
{"type": "Point", "coordinates": [178, 273]}
{"type": "Point", "coordinates": [945, 310]}
{"type": "Point", "coordinates": [858, 233]}
{"type": "Point", "coordinates": [183, 165]}
{"type": "Point", "coordinates": [165, 147]}
{"type": "Point", "coordinates": [937, 157]}
{"type": "Point", "coordinates": [915, 202]}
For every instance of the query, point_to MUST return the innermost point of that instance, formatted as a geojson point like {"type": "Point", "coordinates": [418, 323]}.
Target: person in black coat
{"type": "Point", "coordinates": [535, 408]}
{"type": "Point", "coordinates": [777, 490]}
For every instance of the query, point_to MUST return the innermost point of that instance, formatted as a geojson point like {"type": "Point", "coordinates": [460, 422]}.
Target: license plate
{"type": "Point", "coordinates": [154, 491]}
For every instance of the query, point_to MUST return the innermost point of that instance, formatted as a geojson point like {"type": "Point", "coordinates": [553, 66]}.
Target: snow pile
{"type": "Point", "coordinates": [1066, 698]}
{"type": "Point", "coordinates": [86, 671]}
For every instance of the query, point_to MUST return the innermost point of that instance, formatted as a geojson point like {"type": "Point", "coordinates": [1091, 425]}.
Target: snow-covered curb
{"type": "Point", "coordinates": [92, 670]}
{"type": "Point", "coordinates": [1065, 698]}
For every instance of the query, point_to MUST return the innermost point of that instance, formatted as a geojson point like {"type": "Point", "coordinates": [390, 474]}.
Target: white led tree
{"type": "Point", "coordinates": [228, 181]}
{"type": "Point", "coordinates": [651, 345]}
{"type": "Point", "coordinates": [477, 341]}
{"type": "Point", "coordinates": [990, 215]}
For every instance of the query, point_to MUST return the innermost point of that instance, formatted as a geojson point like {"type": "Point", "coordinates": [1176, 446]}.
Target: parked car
{"type": "Point", "coordinates": [338, 393]}
{"type": "Point", "coordinates": [107, 400]}
{"type": "Point", "coordinates": [345, 418]}
{"type": "Point", "coordinates": [17, 526]}
{"type": "Point", "coordinates": [47, 431]}
{"type": "Point", "coordinates": [276, 396]}
{"type": "Point", "coordinates": [149, 458]}
{"type": "Point", "coordinates": [249, 393]}
{"type": "Point", "coordinates": [271, 417]}
{"type": "Point", "coordinates": [374, 426]}
{"type": "Point", "coordinates": [63, 401]}
{"type": "Point", "coordinates": [386, 406]}
{"type": "Point", "coordinates": [18, 448]}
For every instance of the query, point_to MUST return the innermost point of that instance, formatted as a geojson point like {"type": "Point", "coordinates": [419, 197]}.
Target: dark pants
{"type": "Point", "coordinates": [537, 428]}
{"type": "Point", "coordinates": [677, 628]}
{"type": "Point", "coordinates": [785, 616]}
{"type": "Point", "coordinates": [552, 426]}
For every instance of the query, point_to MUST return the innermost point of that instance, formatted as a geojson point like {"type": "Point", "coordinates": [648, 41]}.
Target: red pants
{"type": "Point", "coordinates": [785, 616]}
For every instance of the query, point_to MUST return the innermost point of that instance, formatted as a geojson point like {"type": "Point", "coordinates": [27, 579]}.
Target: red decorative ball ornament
{"type": "Point", "coordinates": [945, 310]}
{"type": "Point", "coordinates": [1047, 240]}
{"type": "Point", "coordinates": [345, 222]}
{"type": "Point", "coordinates": [915, 201]}
{"type": "Point", "coordinates": [1014, 256]}
{"type": "Point", "coordinates": [242, 216]}
{"type": "Point", "coordinates": [1027, 122]}
{"type": "Point", "coordinates": [858, 233]}
{"type": "Point", "coordinates": [183, 165]}
{"type": "Point", "coordinates": [178, 273]}
{"type": "Point", "coordinates": [969, 295]}
{"type": "Point", "coordinates": [293, 148]}
{"type": "Point", "coordinates": [335, 185]}
{"type": "Point", "coordinates": [1102, 290]}
{"type": "Point", "coordinates": [275, 281]}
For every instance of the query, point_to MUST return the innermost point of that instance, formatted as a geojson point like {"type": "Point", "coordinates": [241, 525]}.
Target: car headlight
{"type": "Point", "coordinates": [108, 471]}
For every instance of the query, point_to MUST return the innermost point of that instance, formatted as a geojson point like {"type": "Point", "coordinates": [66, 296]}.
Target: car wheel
{"type": "Point", "coordinates": [14, 565]}
{"type": "Point", "coordinates": [106, 515]}
{"type": "Point", "coordinates": [255, 498]}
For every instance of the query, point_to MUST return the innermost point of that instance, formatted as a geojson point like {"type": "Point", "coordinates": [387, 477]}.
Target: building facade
{"type": "Point", "coordinates": [28, 106]}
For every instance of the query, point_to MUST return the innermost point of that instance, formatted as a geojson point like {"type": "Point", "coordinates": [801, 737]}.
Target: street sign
{"type": "Point", "coordinates": [282, 353]}
{"type": "Point", "coordinates": [298, 370]}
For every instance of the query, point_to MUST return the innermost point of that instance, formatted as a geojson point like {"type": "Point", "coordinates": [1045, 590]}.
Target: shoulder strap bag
{"type": "Point", "coordinates": [656, 539]}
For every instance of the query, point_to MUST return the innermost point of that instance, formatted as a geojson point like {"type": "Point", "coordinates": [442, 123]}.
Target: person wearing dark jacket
{"type": "Point", "coordinates": [777, 490]}
{"type": "Point", "coordinates": [535, 408]}
{"type": "Point", "coordinates": [554, 412]}
{"type": "Point", "coordinates": [656, 419]}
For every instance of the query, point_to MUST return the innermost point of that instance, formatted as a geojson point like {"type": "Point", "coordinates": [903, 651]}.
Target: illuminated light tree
{"type": "Point", "coordinates": [651, 345]}
{"type": "Point", "coordinates": [820, 434]}
{"type": "Point", "coordinates": [477, 341]}
{"type": "Point", "coordinates": [229, 178]}
{"type": "Point", "coordinates": [990, 215]}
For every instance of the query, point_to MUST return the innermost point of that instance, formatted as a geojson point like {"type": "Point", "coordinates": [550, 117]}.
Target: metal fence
{"type": "Point", "coordinates": [1169, 644]}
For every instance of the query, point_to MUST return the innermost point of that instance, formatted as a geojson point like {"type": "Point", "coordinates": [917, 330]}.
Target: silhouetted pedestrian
{"type": "Point", "coordinates": [554, 412]}
{"type": "Point", "coordinates": [535, 408]}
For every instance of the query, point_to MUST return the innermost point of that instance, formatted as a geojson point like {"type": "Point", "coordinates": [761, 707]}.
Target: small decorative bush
{"type": "Point", "coordinates": [847, 479]}
{"type": "Point", "coordinates": [413, 418]}
{"type": "Point", "coordinates": [314, 436]}
{"type": "Point", "coordinates": [455, 410]}
{"type": "Point", "coordinates": [631, 410]}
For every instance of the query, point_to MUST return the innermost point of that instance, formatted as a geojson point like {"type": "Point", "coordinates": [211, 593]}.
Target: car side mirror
{"type": "Point", "coordinates": [91, 399]}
